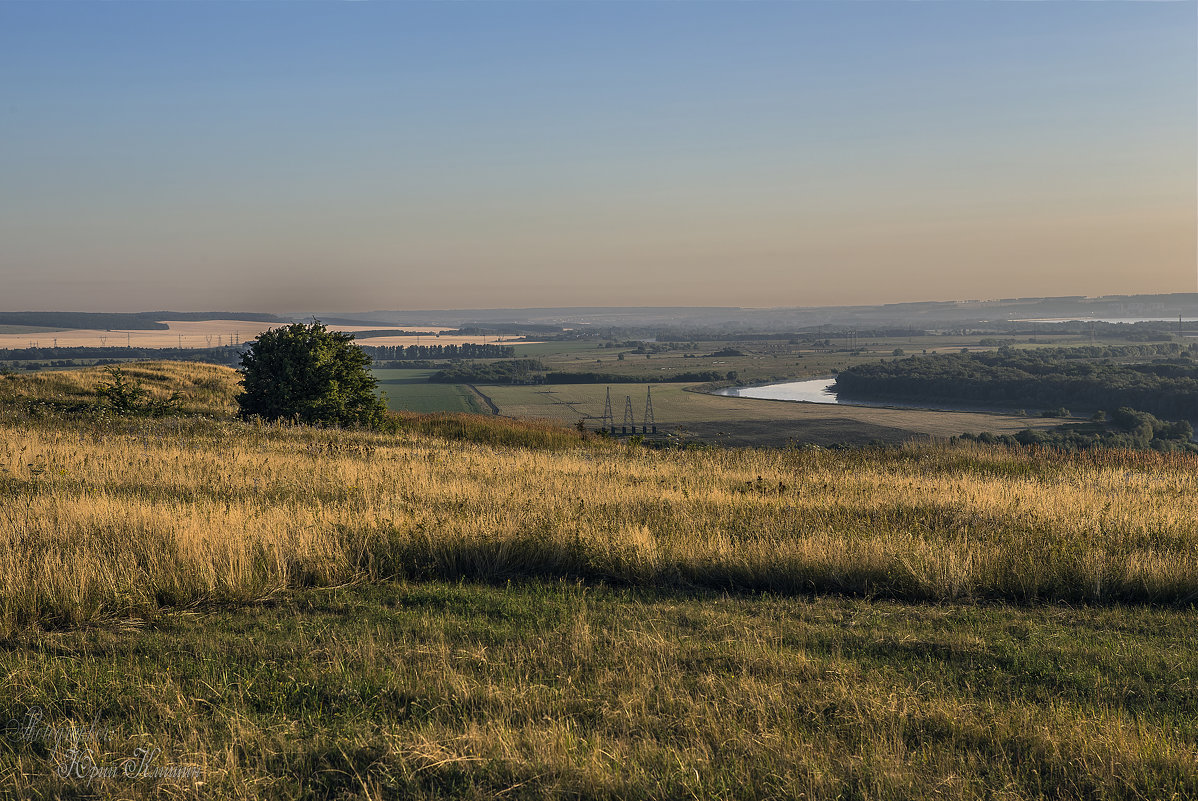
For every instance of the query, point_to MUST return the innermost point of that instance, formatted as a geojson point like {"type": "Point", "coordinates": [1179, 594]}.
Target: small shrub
{"type": "Point", "coordinates": [129, 398]}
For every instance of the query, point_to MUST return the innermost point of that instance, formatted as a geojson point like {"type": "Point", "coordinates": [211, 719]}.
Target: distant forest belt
{"type": "Point", "coordinates": [139, 321]}
{"type": "Point", "coordinates": [69, 320]}
{"type": "Point", "coordinates": [1162, 381]}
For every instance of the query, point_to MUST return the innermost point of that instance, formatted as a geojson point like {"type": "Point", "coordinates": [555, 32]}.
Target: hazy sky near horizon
{"type": "Point", "coordinates": [351, 156]}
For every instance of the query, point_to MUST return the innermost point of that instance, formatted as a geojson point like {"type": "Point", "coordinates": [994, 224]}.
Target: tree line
{"type": "Point", "coordinates": [1162, 380]}
{"type": "Point", "coordinates": [508, 371]}
{"type": "Point", "coordinates": [413, 352]}
{"type": "Point", "coordinates": [136, 321]}
{"type": "Point", "coordinates": [81, 356]}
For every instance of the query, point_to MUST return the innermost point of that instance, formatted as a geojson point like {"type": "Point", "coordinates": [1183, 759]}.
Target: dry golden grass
{"type": "Point", "coordinates": [122, 517]}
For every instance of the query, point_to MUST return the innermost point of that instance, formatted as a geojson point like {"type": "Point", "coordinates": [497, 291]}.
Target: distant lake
{"type": "Point", "coordinates": [819, 390]}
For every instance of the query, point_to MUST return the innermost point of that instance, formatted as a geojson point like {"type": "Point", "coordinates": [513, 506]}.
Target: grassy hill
{"type": "Point", "coordinates": [206, 389]}
{"type": "Point", "coordinates": [478, 608]}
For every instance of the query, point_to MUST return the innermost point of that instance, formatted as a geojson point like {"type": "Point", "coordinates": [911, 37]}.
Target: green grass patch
{"type": "Point", "coordinates": [538, 690]}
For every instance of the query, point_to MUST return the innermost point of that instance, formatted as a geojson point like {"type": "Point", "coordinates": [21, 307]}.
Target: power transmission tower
{"type": "Point", "coordinates": [649, 421]}
{"type": "Point", "coordinates": [629, 422]}
{"type": "Point", "coordinates": [608, 423]}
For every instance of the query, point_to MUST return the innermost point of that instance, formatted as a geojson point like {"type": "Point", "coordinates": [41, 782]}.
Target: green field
{"type": "Point", "coordinates": [542, 690]}
{"type": "Point", "coordinates": [745, 421]}
{"type": "Point", "coordinates": [409, 390]}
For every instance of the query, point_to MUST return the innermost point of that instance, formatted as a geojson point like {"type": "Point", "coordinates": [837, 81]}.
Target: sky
{"type": "Point", "coordinates": [281, 156]}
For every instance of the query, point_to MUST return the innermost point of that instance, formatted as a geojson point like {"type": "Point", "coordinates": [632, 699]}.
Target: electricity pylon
{"type": "Point", "coordinates": [649, 421]}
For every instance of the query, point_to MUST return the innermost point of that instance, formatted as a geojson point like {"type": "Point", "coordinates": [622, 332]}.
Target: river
{"type": "Point", "coordinates": [819, 390]}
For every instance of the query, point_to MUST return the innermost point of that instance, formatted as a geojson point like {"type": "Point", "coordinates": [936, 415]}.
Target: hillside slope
{"type": "Point", "coordinates": [472, 607]}
{"type": "Point", "coordinates": [206, 389]}
{"type": "Point", "coordinates": [204, 510]}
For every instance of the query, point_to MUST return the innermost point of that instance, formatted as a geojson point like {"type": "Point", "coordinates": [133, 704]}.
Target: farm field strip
{"type": "Point", "coordinates": [206, 333]}
{"type": "Point", "coordinates": [409, 390]}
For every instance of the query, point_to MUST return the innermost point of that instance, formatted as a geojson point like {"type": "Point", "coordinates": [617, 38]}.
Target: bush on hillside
{"type": "Point", "coordinates": [309, 374]}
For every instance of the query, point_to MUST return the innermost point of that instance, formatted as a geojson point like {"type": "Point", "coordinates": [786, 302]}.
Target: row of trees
{"type": "Point", "coordinates": [414, 352]}
{"type": "Point", "coordinates": [77, 356]}
{"type": "Point", "coordinates": [509, 371]}
{"type": "Point", "coordinates": [1162, 379]}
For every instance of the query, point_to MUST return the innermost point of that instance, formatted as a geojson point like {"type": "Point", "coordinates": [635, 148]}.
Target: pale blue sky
{"type": "Point", "coordinates": [404, 155]}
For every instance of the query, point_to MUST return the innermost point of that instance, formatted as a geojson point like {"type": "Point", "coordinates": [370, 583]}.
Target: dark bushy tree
{"type": "Point", "coordinates": [310, 374]}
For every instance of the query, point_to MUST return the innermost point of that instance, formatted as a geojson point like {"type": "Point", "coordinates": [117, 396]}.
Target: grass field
{"type": "Point", "coordinates": [536, 690]}
{"type": "Point", "coordinates": [744, 421]}
{"type": "Point", "coordinates": [474, 607]}
{"type": "Point", "coordinates": [206, 389]}
{"type": "Point", "coordinates": [106, 517]}
{"type": "Point", "coordinates": [409, 390]}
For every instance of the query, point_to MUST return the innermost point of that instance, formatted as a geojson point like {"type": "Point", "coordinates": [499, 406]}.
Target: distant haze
{"type": "Point", "coordinates": [277, 156]}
